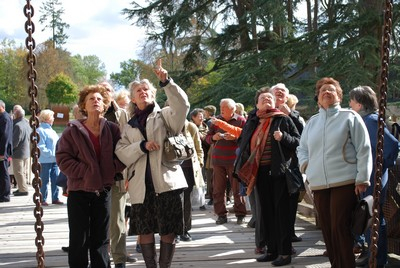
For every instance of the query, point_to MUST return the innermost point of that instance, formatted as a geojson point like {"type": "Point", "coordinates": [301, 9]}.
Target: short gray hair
{"type": "Point", "coordinates": [231, 103]}
{"type": "Point", "coordinates": [18, 111]}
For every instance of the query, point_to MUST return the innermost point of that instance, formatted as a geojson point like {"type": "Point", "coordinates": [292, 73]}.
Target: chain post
{"type": "Point", "coordinates": [383, 87]}
{"type": "Point", "coordinates": [34, 123]}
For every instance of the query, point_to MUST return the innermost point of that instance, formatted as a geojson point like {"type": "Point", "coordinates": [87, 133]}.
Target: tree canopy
{"type": "Point", "coordinates": [232, 48]}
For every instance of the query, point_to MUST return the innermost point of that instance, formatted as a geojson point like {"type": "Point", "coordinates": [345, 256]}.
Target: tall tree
{"type": "Point", "coordinates": [51, 14]}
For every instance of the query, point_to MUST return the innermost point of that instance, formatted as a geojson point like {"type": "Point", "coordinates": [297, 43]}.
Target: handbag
{"type": "Point", "coordinates": [294, 178]}
{"type": "Point", "coordinates": [177, 147]}
{"type": "Point", "coordinates": [362, 215]}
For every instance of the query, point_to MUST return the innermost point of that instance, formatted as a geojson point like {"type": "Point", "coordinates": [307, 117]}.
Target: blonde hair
{"type": "Point", "coordinates": [122, 95]}
{"type": "Point", "coordinates": [292, 101]}
{"type": "Point", "coordinates": [46, 116]}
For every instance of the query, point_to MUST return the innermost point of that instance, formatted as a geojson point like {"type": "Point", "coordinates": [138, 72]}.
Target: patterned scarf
{"type": "Point", "coordinates": [257, 145]}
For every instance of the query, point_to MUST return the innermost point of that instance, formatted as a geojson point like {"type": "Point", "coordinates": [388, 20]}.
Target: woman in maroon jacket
{"type": "Point", "coordinates": [85, 155]}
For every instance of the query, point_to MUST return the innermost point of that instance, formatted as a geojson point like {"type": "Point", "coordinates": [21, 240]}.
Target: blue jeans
{"type": "Point", "coordinates": [49, 172]}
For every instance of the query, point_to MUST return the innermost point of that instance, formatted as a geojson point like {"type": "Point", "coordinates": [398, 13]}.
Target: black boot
{"type": "Point", "coordinates": [167, 251]}
{"type": "Point", "coordinates": [149, 255]}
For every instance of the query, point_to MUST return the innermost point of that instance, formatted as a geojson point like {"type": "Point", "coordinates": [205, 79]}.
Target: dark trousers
{"type": "Point", "coordinates": [259, 228]}
{"type": "Point", "coordinates": [334, 207]}
{"type": "Point", "coordinates": [294, 200]}
{"type": "Point", "coordinates": [275, 206]}
{"type": "Point", "coordinates": [89, 224]}
{"type": "Point", "coordinates": [5, 185]}
{"type": "Point", "coordinates": [187, 199]}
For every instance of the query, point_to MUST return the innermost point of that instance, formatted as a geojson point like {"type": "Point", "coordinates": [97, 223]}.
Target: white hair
{"type": "Point", "coordinates": [231, 103]}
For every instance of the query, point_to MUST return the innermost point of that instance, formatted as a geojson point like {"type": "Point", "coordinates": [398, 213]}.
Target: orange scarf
{"type": "Point", "coordinates": [248, 172]}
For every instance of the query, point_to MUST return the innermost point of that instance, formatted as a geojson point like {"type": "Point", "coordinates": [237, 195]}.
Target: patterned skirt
{"type": "Point", "coordinates": [159, 213]}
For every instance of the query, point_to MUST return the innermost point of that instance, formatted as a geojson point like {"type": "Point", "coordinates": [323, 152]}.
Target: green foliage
{"type": "Point", "coordinates": [130, 71]}
{"type": "Point", "coordinates": [255, 43]}
{"type": "Point", "coordinates": [88, 70]}
{"type": "Point", "coordinates": [61, 90]}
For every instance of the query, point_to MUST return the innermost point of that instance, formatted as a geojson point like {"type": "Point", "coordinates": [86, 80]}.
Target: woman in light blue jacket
{"type": "Point", "coordinates": [47, 159]}
{"type": "Point", "coordinates": [335, 154]}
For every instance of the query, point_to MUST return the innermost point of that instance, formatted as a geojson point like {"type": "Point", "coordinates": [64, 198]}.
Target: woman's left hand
{"type": "Point", "coordinates": [278, 135]}
{"type": "Point", "coordinates": [361, 188]}
{"type": "Point", "coordinates": [161, 73]}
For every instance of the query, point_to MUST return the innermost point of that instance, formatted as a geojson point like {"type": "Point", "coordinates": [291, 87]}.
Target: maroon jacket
{"type": "Point", "coordinates": [77, 159]}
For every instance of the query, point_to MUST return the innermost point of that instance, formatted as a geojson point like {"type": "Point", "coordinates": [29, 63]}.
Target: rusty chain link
{"type": "Point", "coordinates": [34, 122]}
{"type": "Point", "coordinates": [385, 52]}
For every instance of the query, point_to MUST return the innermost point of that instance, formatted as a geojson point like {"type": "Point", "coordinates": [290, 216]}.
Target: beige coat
{"type": "Point", "coordinates": [198, 157]}
{"type": "Point", "coordinates": [166, 176]}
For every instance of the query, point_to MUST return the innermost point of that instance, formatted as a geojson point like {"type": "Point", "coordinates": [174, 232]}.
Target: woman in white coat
{"type": "Point", "coordinates": [155, 185]}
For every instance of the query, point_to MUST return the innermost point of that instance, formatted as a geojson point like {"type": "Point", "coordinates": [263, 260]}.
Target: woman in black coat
{"type": "Point", "coordinates": [259, 165]}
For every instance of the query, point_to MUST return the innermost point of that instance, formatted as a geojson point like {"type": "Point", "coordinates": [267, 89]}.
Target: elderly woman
{"type": "Point", "coordinates": [155, 185]}
{"type": "Point", "coordinates": [260, 164]}
{"type": "Point", "coordinates": [335, 154]}
{"type": "Point", "coordinates": [47, 159]}
{"type": "Point", "coordinates": [363, 100]}
{"type": "Point", "coordinates": [85, 155]}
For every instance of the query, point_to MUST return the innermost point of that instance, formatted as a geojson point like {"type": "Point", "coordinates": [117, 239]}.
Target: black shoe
{"type": "Point", "coordinates": [240, 220]}
{"type": "Point", "coordinates": [18, 193]}
{"type": "Point", "coordinates": [186, 237]}
{"type": "Point", "coordinates": [210, 203]}
{"type": "Point", "coordinates": [202, 208]}
{"type": "Point", "coordinates": [267, 257]}
{"type": "Point", "coordinates": [281, 261]}
{"type": "Point", "coordinates": [221, 220]}
{"type": "Point", "coordinates": [65, 249]}
{"type": "Point", "coordinates": [296, 238]}
{"type": "Point", "coordinates": [120, 265]}
{"type": "Point", "coordinates": [138, 248]}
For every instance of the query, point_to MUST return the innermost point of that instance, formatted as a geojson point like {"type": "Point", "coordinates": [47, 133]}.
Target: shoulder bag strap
{"type": "Point", "coordinates": [169, 130]}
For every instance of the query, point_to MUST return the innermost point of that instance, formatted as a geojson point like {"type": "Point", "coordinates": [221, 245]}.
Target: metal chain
{"type": "Point", "coordinates": [387, 29]}
{"type": "Point", "coordinates": [34, 122]}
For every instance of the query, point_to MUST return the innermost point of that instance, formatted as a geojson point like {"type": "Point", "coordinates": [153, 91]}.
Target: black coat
{"type": "Point", "coordinates": [290, 141]}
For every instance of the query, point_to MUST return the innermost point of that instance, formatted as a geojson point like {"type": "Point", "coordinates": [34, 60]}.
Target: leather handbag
{"type": "Point", "coordinates": [294, 178]}
{"type": "Point", "coordinates": [362, 215]}
{"type": "Point", "coordinates": [179, 147]}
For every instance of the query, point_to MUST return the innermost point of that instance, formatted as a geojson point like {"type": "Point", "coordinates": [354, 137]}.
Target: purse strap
{"type": "Point", "coordinates": [168, 128]}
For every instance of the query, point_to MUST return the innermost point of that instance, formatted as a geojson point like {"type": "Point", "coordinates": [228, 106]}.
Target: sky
{"type": "Point", "coordinates": [96, 28]}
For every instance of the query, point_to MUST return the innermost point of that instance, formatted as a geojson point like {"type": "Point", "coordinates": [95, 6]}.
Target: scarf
{"type": "Point", "coordinates": [141, 115]}
{"type": "Point", "coordinates": [259, 138]}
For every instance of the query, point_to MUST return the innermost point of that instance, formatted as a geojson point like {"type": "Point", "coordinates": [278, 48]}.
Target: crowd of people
{"type": "Point", "coordinates": [120, 184]}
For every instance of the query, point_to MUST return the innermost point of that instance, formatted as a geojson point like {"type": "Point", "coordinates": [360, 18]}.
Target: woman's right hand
{"type": "Point", "coordinates": [161, 73]}
{"type": "Point", "coordinates": [152, 146]}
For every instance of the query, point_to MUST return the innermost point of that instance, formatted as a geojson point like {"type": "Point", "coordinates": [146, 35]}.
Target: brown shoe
{"type": "Point", "coordinates": [57, 202]}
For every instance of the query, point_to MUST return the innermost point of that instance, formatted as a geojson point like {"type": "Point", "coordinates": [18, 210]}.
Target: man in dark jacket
{"type": "Point", "coordinates": [6, 130]}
